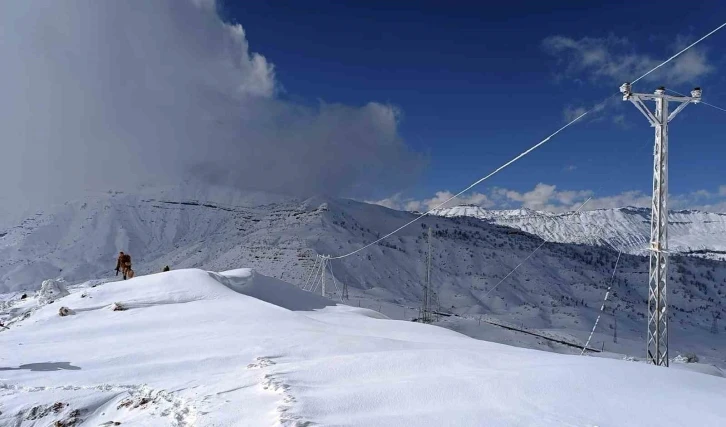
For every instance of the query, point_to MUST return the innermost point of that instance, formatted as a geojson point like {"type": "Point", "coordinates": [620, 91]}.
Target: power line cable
{"type": "Point", "coordinates": [315, 278]}
{"type": "Point", "coordinates": [700, 102]}
{"type": "Point", "coordinates": [526, 259]}
{"type": "Point", "coordinates": [523, 153]}
{"type": "Point", "coordinates": [579, 209]}
{"type": "Point", "coordinates": [333, 276]}
{"type": "Point", "coordinates": [680, 53]}
{"type": "Point", "coordinates": [310, 276]}
{"type": "Point", "coordinates": [602, 308]}
{"type": "Point", "coordinates": [467, 188]}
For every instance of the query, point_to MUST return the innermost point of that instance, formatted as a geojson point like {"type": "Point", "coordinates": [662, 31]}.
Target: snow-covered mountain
{"type": "Point", "coordinates": [689, 232]}
{"type": "Point", "coordinates": [557, 291]}
{"type": "Point", "coordinates": [197, 348]}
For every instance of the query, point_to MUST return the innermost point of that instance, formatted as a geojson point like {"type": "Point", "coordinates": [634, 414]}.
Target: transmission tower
{"type": "Point", "coordinates": [657, 346]}
{"type": "Point", "coordinates": [615, 328]}
{"type": "Point", "coordinates": [426, 303]}
{"type": "Point", "coordinates": [324, 261]}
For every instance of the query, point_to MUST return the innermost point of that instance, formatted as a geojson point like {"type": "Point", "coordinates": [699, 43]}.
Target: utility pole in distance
{"type": "Point", "coordinates": [426, 302]}
{"type": "Point", "coordinates": [429, 300]}
{"type": "Point", "coordinates": [657, 346]}
{"type": "Point", "coordinates": [324, 261]}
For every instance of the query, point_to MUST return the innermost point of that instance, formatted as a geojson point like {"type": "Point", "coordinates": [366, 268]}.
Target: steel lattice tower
{"type": "Point", "coordinates": [657, 346]}
{"type": "Point", "coordinates": [427, 301]}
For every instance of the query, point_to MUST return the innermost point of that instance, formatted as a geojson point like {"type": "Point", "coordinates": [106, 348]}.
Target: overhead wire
{"type": "Point", "coordinates": [526, 152]}
{"type": "Point", "coordinates": [315, 277]}
{"type": "Point", "coordinates": [680, 53]}
{"type": "Point", "coordinates": [523, 261]}
{"type": "Point", "coordinates": [330, 268]}
{"type": "Point", "coordinates": [467, 188]}
{"type": "Point", "coordinates": [318, 279]}
{"type": "Point", "coordinates": [544, 241]}
{"type": "Point", "coordinates": [713, 106]}
{"type": "Point", "coordinates": [602, 307]}
{"type": "Point", "coordinates": [312, 270]}
{"type": "Point", "coordinates": [700, 102]}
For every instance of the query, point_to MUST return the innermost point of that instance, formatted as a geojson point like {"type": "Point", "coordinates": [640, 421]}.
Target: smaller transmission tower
{"type": "Point", "coordinates": [324, 261]}
{"type": "Point", "coordinates": [426, 303]}
{"type": "Point", "coordinates": [657, 346]}
{"type": "Point", "coordinates": [615, 328]}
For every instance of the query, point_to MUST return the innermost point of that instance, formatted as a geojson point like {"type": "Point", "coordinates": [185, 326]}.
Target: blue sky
{"type": "Point", "coordinates": [477, 83]}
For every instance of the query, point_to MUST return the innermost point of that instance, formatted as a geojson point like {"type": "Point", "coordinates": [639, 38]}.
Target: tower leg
{"type": "Point", "coordinates": [322, 279]}
{"type": "Point", "coordinates": [657, 286]}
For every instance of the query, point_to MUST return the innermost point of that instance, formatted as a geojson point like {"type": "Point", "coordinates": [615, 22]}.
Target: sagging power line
{"type": "Point", "coordinates": [657, 319]}
{"type": "Point", "coordinates": [526, 152]}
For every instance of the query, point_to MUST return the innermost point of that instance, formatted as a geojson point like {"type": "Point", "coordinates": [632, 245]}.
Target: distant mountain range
{"type": "Point", "coordinates": [689, 232]}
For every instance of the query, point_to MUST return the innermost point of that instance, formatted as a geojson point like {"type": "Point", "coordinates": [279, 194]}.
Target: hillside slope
{"type": "Point", "coordinates": [558, 290]}
{"type": "Point", "coordinates": [689, 232]}
{"type": "Point", "coordinates": [192, 348]}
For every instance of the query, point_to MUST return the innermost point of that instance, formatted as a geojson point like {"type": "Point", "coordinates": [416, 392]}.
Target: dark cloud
{"type": "Point", "coordinates": [105, 94]}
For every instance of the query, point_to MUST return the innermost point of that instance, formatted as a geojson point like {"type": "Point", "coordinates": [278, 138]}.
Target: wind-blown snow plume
{"type": "Point", "coordinates": [100, 95]}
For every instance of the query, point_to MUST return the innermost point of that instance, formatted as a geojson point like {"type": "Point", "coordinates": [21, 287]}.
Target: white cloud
{"type": "Point", "coordinates": [409, 204]}
{"type": "Point", "coordinates": [714, 207]}
{"type": "Point", "coordinates": [546, 197]}
{"type": "Point", "coordinates": [570, 168]}
{"type": "Point", "coordinates": [571, 113]}
{"type": "Point", "coordinates": [161, 91]}
{"type": "Point", "coordinates": [616, 60]}
{"type": "Point", "coordinates": [470, 199]}
{"type": "Point", "coordinates": [626, 198]}
{"type": "Point", "coordinates": [394, 202]}
{"type": "Point", "coordinates": [259, 74]}
{"type": "Point", "coordinates": [702, 194]}
{"type": "Point", "coordinates": [594, 113]}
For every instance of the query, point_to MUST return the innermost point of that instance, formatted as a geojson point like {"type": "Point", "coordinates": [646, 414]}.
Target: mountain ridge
{"type": "Point", "coordinates": [557, 291]}
{"type": "Point", "coordinates": [691, 232]}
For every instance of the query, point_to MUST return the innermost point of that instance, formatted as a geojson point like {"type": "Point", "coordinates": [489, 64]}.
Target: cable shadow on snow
{"type": "Point", "coordinates": [44, 367]}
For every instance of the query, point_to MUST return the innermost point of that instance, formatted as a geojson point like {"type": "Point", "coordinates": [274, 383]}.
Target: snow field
{"type": "Point", "coordinates": [193, 348]}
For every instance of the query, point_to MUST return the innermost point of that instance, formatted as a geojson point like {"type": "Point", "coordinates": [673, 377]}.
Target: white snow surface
{"type": "Point", "coordinates": [690, 232]}
{"type": "Point", "coordinates": [556, 293]}
{"type": "Point", "coordinates": [51, 290]}
{"type": "Point", "coordinates": [209, 349]}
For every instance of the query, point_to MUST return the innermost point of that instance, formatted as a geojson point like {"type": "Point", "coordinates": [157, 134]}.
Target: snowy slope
{"type": "Point", "coordinates": [184, 226]}
{"type": "Point", "coordinates": [689, 232]}
{"type": "Point", "coordinates": [192, 348]}
{"type": "Point", "coordinates": [559, 290]}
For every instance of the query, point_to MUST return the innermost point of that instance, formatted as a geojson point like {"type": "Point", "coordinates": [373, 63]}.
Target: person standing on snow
{"type": "Point", "coordinates": [119, 262]}
{"type": "Point", "coordinates": [126, 266]}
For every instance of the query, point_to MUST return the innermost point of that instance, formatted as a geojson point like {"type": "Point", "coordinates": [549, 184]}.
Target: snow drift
{"type": "Point", "coordinates": [193, 348]}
